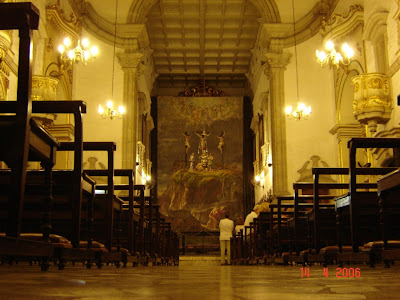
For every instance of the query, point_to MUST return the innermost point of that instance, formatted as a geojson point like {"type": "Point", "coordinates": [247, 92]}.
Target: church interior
{"type": "Point", "coordinates": [130, 128]}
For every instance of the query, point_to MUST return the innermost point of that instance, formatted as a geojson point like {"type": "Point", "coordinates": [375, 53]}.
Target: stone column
{"type": "Point", "coordinates": [130, 64]}
{"type": "Point", "coordinates": [274, 68]}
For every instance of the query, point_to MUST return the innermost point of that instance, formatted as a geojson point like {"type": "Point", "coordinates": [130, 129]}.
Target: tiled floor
{"type": "Point", "coordinates": [197, 281]}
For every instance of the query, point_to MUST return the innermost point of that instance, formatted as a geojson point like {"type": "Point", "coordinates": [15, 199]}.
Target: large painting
{"type": "Point", "coordinates": [200, 160]}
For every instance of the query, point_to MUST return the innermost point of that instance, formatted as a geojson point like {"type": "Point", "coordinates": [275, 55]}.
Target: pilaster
{"type": "Point", "coordinates": [130, 63]}
{"type": "Point", "coordinates": [274, 68]}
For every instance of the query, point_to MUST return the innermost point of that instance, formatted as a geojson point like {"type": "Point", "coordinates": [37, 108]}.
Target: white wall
{"type": "Point", "coordinates": [93, 84]}
{"type": "Point", "coordinates": [309, 137]}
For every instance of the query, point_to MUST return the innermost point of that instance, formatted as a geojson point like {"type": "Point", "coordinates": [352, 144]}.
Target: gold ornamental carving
{"type": "Point", "coordinates": [44, 88]}
{"type": "Point", "coordinates": [372, 103]}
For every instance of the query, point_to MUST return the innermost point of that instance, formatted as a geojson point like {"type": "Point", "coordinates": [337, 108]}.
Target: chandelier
{"type": "Point", "coordinates": [110, 112]}
{"type": "Point", "coordinates": [333, 57]}
{"type": "Point", "coordinates": [80, 53]}
{"type": "Point", "coordinates": [302, 112]}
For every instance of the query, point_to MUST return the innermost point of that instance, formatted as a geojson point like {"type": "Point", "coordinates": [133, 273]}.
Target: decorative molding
{"type": "Point", "coordinates": [141, 150]}
{"type": "Point", "coordinates": [202, 90]}
{"type": "Point", "coordinates": [375, 26]}
{"type": "Point", "coordinates": [306, 27]}
{"type": "Point", "coordinates": [44, 87]}
{"type": "Point", "coordinates": [71, 28]}
{"type": "Point", "coordinates": [372, 104]}
{"type": "Point", "coordinates": [345, 131]}
{"type": "Point", "coordinates": [140, 8]}
{"type": "Point", "coordinates": [129, 60]}
{"type": "Point", "coordinates": [126, 34]}
{"type": "Point", "coordinates": [265, 153]}
{"type": "Point", "coordinates": [306, 170]}
{"type": "Point", "coordinates": [341, 25]}
{"type": "Point", "coordinates": [276, 61]}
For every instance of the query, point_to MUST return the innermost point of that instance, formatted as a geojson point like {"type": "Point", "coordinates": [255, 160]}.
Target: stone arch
{"type": "Point", "coordinates": [140, 8]}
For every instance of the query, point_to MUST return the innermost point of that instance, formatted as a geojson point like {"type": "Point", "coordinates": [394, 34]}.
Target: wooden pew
{"type": "Point", "coordinates": [389, 204]}
{"type": "Point", "coordinates": [362, 206]}
{"type": "Point", "coordinates": [26, 139]}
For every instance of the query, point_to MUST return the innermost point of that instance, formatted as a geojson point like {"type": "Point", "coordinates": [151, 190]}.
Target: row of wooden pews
{"type": "Point", "coordinates": [328, 222]}
{"type": "Point", "coordinates": [67, 216]}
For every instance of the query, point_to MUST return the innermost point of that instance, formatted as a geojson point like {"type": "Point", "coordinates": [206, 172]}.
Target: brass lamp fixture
{"type": "Point", "coordinates": [302, 111]}
{"type": "Point", "coordinates": [81, 53]}
{"type": "Point", "coordinates": [333, 57]}
{"type": "Point", "coordinates": [110, 112]}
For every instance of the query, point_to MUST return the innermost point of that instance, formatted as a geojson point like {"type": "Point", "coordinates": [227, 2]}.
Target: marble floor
{"type": "Point", "coordinates": [198, 281]}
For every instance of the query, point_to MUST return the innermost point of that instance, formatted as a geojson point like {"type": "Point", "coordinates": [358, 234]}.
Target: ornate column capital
{"type": "Point", "coordinates": [276, 61]}
{"type": "Point", "coordinates": [130, 60]}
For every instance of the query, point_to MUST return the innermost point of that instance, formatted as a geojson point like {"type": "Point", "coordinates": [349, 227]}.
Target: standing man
{"type": "Point", "coordinates": [226, 227]}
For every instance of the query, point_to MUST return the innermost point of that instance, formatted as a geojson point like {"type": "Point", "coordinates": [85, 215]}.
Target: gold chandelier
{"type": "Point", "coordinates": [334, 57]}
{"type": "Point", "coordinates": [301, 112]}
{"type": "Point", "coordinates": [80, 53]}
{"type": "Point", "coordinates": [110, 112]}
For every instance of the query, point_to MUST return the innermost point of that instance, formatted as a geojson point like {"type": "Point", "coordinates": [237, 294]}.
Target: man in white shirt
{"type": "Point", "coordinates": [226, 227]}
{"type": "Point", "coordinates": [250, 218]}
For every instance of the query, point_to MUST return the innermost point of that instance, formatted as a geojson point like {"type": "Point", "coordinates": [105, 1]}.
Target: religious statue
{"type": "Point", "coordinates": [221, 141]}
{"type": "Point", "coordinates": [191, 160]}
{"type": "Point", "coordinates": [187, 141]}
{"type": "Point", "coordinates": [210, 162]}
{"type": "Point", "coordinates": [203, 140]}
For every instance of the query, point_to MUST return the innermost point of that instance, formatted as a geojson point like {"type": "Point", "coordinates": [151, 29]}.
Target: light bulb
{"type": "Point", "coordinates": [61, 49]}
{"type": "Point", "coordinates": [109, 104]}
{"type": "Point", "coordinates": [94, 51]}
{"type": "Point", "coordinates": [301, 106]}
{"type": "Point", "coordinates": [101, 109]}
{"type": "Point", "coordinates": [67, 42]}
{"type": "Point", "coordinates": [85, 43]}
{"type": "Point", "coordinates": [121, 109]}
{"type": "Point", "coordinates": [71, 54]}
{"type": "Point", "coordinates": [329, 45]}
{"type": "Point", "coordinates": [289, 110]}
{"type": "Point", "coordinates": [86, 54]}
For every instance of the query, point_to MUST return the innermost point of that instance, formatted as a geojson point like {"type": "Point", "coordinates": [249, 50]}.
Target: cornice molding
{"type": "Point", "coordinates": [71, 28]}
{"type": "Point", "coordinates": [127, 35]}
{"type": "Point", "coordinates": [306, 27]}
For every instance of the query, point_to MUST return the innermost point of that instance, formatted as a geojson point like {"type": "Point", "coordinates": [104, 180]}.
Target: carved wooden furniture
{"type": "Point", "coordinates": [362, 206]}
{"type": "Point", "coordinates": [389, 204]}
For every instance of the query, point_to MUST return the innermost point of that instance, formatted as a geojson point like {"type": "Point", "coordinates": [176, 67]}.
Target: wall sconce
{"type": "Point", "coordinates": [258, 180]}
{"type": "Point", "coordinates": [110, 111]}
